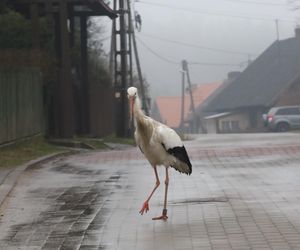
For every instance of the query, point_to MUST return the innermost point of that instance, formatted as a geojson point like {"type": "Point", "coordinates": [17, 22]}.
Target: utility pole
{"type": "Point", "coordinates": [130, 37]}
{"type": "Point", "coordinates": [123, 38]}
{"type": "Point", "coordinates": [185, 68]}
{"type": "Point", "coordinates": [137, 60]}
{"type": "Point", "coordinates": [278, 43]}
{"type": "Point", "coordinates": [113, 47]}
{"type": "Point", "coordinates": [121, 51]}
{"type": "Point", "coordinates": [66, 102]}
{"type": "Point", "coordinates": [277, 29]}
{"type": "Point", "coordinates": [182, 100]}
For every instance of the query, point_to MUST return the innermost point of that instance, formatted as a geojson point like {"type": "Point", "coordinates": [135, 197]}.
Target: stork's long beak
{"type": "Point", "coordinates": [131, 103]}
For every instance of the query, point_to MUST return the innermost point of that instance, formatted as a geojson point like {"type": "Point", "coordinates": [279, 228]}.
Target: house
{"type": "Point", "coordinates": [167, 109]}
{"type": "Point", "coordinates": [273, 79]}
{"type": "Point", "coordinates": [71, 97]}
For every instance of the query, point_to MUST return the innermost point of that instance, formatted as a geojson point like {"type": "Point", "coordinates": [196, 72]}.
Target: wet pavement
{"type": "Point", "coordinates": [244, 193]}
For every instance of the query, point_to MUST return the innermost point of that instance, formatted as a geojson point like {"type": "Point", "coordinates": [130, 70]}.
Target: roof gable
{"type": "Point", "coordinates": [262, 81]}
{"type": "Point", "coordinates": [169, 108]}
{"type": "Point", "coordinates": [80, 7]}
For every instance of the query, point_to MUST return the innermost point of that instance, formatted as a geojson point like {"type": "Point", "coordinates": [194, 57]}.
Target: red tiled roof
{"type": "Point", "coordinates": [169, 110]}
{"type": "Point", "coordinates": [170, 106]}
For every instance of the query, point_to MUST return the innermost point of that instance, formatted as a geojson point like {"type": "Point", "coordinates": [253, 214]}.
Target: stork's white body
{"type": "Point", "coordinates": [152, 147]}
{"type": "Point", "coordinates": [155, 145]}
{"type": "Point", "coordinates": [160, 144]}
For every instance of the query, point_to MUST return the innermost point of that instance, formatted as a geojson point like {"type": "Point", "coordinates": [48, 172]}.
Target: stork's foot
{"type": "Point", "coordinates": [145, 208]}
{"type": "Point", "coordinates": [163, 216]}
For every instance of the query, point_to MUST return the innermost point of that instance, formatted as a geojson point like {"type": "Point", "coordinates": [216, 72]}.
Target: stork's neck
{"type": "Point", "coordinates": [137, 110]}
{"type": "Point", "coordinates": [142, 122]}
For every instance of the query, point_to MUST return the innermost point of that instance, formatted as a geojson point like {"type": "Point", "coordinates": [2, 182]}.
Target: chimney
{"type": "Point", "coordinates": [297, 32]}
{"type": "Point", "coordinates": [233, 75]}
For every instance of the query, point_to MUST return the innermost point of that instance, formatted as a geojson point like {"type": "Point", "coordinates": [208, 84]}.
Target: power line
{"type": "Point", "coordinates": [294, 4]}
{"type": "Point", "coordinates": [214, 64]}
{"type": "Point", "coordinates": [157, 54]}
{"type": "Point", "coordinates": [198, 46]}
{"type": "Point", "coordinates": [178, 63]}
{"type": "Point", "coordinates": [259, 3]}
{"type": "Point", "coordinates": [205, 12]}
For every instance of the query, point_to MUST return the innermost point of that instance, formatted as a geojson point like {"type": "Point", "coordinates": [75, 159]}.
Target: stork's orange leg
{"type": "Point", "coordinates": [145, 207]}
{"type": "Point", "coordinates": [164, 213]}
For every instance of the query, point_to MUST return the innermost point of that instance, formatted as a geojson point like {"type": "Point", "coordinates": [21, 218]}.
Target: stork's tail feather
{"type": "Point", "coordinates": [183, 164]}
{"type": "Point", "coordinates": [182, 168]}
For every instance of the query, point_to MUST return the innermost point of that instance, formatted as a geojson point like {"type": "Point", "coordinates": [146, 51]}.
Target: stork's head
{"type": "Point", "coordinates": [132, 95]}
{"type": "Point", "coordinates": [132, 92]}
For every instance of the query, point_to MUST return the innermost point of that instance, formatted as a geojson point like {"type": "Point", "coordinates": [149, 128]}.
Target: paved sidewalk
{"type": "Point", "coordinates": [5, 183]}
{"type": "Point", "coordinates": [9, 175]}
{"type": "Point", "coordinates": [244, 193]}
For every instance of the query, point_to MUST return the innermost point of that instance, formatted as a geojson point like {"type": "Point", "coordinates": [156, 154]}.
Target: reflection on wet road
{"type": "Point", "coordinates": [237, 198]}
{"type": "Point", "coordinates": [61, 205]}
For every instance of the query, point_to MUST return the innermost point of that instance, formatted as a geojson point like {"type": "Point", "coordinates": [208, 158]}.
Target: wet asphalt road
{"type": "Point", "coordinates": [244, 193]}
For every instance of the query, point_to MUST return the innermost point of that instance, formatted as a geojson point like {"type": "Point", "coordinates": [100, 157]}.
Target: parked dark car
{"type": "Point", "coordinates": [282, 118]}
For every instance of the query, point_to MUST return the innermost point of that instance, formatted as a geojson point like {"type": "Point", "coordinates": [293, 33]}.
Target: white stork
{"type": "Point", "coordinates": [160, 144]}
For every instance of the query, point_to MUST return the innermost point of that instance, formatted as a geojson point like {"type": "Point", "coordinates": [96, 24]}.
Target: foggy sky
{"type": "Point", "coordinates": [233, 25]}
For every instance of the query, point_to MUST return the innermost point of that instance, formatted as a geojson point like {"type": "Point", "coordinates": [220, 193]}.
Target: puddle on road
{"type": "Point", "coordinates": [195, 201]}
{"type": "Point", "coordinates": [75, 215]}
{"type": "Point", "coordinates": [71, 169]}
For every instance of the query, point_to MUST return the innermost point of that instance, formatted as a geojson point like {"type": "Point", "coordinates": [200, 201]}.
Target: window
{"type": "Point", "coordinates": [230, 126]}
{"type": "Point", "coordinates": [226, 126]}
{"type": "Point", "coordinates": [288, 111]}
{"type": "Point", "coordinates": [235, 126]}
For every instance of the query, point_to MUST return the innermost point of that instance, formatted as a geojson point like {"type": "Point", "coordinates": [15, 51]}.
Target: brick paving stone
{"type": "Point", "coordinates": [243, 194]}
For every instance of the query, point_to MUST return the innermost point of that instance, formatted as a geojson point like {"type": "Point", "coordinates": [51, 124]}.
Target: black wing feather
{"type": "Point", "coordinates": [181, 154]}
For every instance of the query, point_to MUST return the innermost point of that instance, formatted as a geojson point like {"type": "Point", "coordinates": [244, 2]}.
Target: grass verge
{"type": "Point", "coordinates": [24, 151]}
{"type": "Point", "coordinates": [95, 143]}
{"type": "Point", "coordinates": [114, 139]}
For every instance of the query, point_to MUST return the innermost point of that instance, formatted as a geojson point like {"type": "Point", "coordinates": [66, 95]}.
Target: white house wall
{"type": "Point", "coordinates": [241, 118]}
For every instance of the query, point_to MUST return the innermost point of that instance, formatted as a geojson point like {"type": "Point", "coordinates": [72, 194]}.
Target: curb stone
{"type": "Point", "coordinates": [12, 177]}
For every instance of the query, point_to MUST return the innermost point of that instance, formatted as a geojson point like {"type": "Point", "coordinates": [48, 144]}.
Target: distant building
{"type": "Point", "coordinates": [272, 79]}
{"type": "Point", "coordinates": [167, 109]}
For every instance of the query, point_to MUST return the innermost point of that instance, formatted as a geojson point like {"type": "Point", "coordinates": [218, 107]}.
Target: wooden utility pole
{"type": "Point", "coordinates": [113, 48]}
{"type": "Point", "coordinates": [85, 95]}
{"type": "Point", "coordinates": [277, 29]}
{"type": "Point", "coordinates": [197, 123]}
{"type": "Point", "coordinates": [186, 69]}
{"type": "Point", "coordinates": [66, 102]}
{"type": "Point", "coordinates": [182, 100]}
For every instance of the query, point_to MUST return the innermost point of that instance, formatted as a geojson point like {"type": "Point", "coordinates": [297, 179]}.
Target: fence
{"type": "Point", "coordinates": [21, 104]}
{"type": "Point", "coordinates": [101, 110]}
